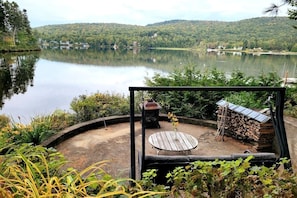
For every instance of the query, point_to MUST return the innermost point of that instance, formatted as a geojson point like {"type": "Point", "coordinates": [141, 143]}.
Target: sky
{"type": "Point", "coordinates": [141, 12]}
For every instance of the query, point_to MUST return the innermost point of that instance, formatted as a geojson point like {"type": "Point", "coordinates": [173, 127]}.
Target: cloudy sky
{"type": "Point", "coordinates": [141, 12]}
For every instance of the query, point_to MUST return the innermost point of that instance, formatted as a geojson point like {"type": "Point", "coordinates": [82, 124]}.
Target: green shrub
{"type": "Point", "coordinates": [203, 104]}
{"type": "Point", "coordinates": [190, 104]}
{"type": "Point", "coordinates": [232, 179]}
{"type": "Point", "coordinates": [4, 121]}
{"type": "Point", "coordinates": [56, 121]}
{"type": "Point", "coordinates": [291, 111]}
{"type": "Point", "coordinates": [246, 99]}
{"type": "Point", "coordinates": [17, 133]}
{"type": "Point", "coordinates": [11, 134]}
{"type": "Point", "coordinates": [291, 101]}
{"type": "Point", "coordinates": [36, 135]}
{"type": "Point", "coordinates": [99, 105]}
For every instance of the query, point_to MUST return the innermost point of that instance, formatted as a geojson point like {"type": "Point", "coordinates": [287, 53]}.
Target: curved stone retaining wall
{"type": "Point", "coordinates": [100, 122]}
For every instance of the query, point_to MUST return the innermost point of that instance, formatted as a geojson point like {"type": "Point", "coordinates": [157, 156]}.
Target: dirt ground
{"type": "Point", "coordinates": [113, 143]}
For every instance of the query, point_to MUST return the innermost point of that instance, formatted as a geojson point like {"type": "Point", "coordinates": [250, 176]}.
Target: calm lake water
{"type": "Point", "coordinates": [55, 84]}
{"type": "Point", "coordinates": [61, 75]}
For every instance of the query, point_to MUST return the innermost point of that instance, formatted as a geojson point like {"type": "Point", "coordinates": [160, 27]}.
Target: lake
{"type": "Point", "coordinates": [58, 76]}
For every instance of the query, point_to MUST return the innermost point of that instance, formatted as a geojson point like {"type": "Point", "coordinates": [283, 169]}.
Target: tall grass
{"type": "Point", "coordinates": [35, 175]}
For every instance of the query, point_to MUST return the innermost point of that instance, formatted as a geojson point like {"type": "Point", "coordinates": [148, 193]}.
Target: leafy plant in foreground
{"type": "Point", "coordinates": [232, 179]}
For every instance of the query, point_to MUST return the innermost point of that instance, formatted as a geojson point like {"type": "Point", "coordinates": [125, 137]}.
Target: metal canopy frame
{"type": "Point", "coordinates": [277, 115]}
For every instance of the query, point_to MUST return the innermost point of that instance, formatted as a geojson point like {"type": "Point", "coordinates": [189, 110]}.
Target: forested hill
{"type": "Point", "coordinates": [268, 33]}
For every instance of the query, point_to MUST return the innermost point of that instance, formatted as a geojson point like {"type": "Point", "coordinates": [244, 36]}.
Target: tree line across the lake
{"type": "Point", "coordinates": [264, 33]}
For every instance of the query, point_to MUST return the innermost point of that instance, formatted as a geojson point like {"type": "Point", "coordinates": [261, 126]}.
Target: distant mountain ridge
{"type": "Point", "coordinates": [270, 33]}
{"type": "Point", "coordinates": [176, 21]}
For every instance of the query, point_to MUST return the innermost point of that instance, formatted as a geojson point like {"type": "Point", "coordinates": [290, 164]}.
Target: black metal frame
{"type": "Point", "coordinates": [277, 115]}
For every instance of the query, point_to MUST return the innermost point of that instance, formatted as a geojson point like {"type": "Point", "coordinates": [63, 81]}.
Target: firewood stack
{"type": "Point", "coordinates": [247, 125]}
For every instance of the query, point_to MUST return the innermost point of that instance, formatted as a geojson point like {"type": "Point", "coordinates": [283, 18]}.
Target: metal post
{"type": "Point", "coordinates": [280, 122]}
{"type": "Point", "coordinates": [143, 124]}
{"type": "Point", "coordinates": [132, 135]}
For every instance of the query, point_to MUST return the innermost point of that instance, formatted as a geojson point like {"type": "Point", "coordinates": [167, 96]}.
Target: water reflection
{"type": "Point", "coordinates": [61, 75]}
{"type": "Point", "coordinates": [56, 84]}
{"type": "Point", "coordinates": [17, 72]}
{"type": "Point", "coordinates": [252, 65]}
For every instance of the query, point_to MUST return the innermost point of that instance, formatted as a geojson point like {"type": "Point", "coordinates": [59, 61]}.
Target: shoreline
{"type": "Point", "coordinates": [249, 51]}
{"type": "Point", "coordinates": [19, 50]}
